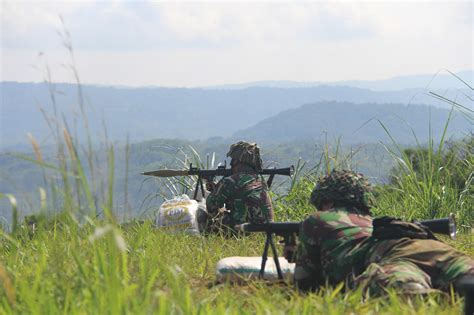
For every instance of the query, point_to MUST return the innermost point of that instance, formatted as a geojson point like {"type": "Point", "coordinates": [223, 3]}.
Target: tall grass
{"type": "Point", "coordinates": [78, 180]}
{"type": "Point", "coordinates": [77, 263]}
{"type": "Point", "coordinates": [430, 180]}
{"type": "Point", "coordinates": [97, 266]}
{"type": "Point", "coordinates": [76, 270]}
{"type": "Point", "coordinates": [80, 261]}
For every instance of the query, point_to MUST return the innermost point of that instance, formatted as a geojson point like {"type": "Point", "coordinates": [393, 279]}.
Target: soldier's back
{"type": "Point", "coordinates": [338, 237]}
{"type": "Point", "coordinates": [250, 201]}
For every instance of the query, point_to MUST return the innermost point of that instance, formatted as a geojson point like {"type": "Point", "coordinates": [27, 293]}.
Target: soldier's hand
{"type": "Point", "coordinates": [223, 210]}
{"type": "Point", "coordinates": [210, 186]}
{"type": "Point", "coordinates": [289, 252]}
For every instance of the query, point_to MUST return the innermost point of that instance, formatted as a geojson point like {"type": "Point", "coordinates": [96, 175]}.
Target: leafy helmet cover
{"type": "Point", "coordinates": [344, 187]}
{"type": "Point", "coordinates": [247, 153]}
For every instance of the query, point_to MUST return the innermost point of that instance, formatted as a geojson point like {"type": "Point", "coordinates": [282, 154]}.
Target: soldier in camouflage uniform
{"type": "Point", "coordinates": [337, 245]}
{"type": "Point", "coordinates": [241, 197]}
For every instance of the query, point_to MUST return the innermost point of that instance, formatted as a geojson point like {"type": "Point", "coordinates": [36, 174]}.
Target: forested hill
{"type": "Point", "coordinates": [148, 113]}
{"type": "Point", "coordinates": [358, 123]}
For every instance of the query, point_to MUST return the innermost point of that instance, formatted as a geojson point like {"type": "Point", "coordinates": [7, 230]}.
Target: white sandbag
{"type": "Point", "coordinates": [236, 269]}
{"type": "Point", "coordinates": [178, 215]}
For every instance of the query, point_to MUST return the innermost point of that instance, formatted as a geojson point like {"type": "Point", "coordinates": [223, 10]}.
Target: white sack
{"type": "Point", "coordinates": [178, 215]}
{"type": "Point", "coordinates": [235, 269]}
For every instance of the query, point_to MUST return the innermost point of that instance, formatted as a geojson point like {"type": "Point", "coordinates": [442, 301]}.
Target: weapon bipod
{"type": "Point", "coordinates": [269, 242]}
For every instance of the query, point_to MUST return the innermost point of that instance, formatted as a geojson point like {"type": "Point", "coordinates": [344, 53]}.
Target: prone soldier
{"type": "Point", "coordinates": [340, 243]}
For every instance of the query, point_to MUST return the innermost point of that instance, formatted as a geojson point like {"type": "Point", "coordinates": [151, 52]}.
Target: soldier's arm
{"type": "Point", "coordinates": [220, 195]}
{"type": "Point", "coordinates": [308, 270]}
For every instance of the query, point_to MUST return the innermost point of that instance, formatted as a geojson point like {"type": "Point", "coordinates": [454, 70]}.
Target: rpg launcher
{"type": "Point", "coordinates": [289, 231]}
{"type": "Point", "coordinates": [209, 175]}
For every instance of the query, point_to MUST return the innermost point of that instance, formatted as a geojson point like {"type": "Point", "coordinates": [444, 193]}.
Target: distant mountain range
{"type": "Point", "coordinates": [359, 123]}
{"type": "Point", "coordinates": [440, 81]}
{"type": "Point", "coordinates": [198, 113]}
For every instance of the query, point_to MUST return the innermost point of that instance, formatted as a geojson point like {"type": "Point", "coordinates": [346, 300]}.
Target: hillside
{"type": "Point", "coordinates": [357, 123]}
{"type": "Point", "coordinates": [148, 113]}
{"type": "Point", "coordinates": [132, 192]}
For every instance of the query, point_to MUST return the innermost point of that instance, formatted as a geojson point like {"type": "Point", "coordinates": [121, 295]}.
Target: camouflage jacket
{"type": "Point", "coordinates": [333, 244]}
{"type": "Point", "coordinates": [245, 195]}
{"type": "Point", "coordinates": [336, 245]}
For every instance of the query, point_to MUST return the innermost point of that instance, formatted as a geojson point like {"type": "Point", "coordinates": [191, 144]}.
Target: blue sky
{"type": "Point", "coordinates": [140, 43]}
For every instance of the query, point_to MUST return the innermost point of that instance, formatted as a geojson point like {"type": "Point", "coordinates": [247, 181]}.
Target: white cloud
{"type": "Point", "coordinates": [23, 17]}
{"type": "Point", "coordinates": [250, 22]}
{"type": "Point", "coordinates": [212, 43]}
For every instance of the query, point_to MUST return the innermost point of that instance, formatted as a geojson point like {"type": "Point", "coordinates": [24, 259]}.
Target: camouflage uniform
{"type": "Point", "coordinates": [244, 195]}
{"type": "Point", "coordinates": [332, 244]}
{"type": "Point", "coordinates": [413, 266]}
{"type": "Point", "coordinates": [337, 245]}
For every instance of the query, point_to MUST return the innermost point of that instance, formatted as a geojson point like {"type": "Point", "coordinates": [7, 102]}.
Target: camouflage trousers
{"type": "Point", "coordinates": [413, 266]}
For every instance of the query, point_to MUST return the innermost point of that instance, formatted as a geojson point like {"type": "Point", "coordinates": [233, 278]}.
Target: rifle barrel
{"type": "Point", "coordinates": [446, 226]}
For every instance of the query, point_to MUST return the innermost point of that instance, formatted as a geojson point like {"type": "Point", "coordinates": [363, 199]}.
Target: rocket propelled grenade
{"type": "Point", "coordinates": [209, 175]}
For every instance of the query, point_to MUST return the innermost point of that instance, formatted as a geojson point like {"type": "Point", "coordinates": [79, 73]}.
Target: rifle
{"type": "Point", "coordinates": [289, 230]}
{"type": "Point", "coordinates": [209, 175]}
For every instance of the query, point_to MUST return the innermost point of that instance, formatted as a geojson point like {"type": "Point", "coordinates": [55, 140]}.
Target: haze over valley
{"type": "Point", "coordinates": [199, 113]}
{"type": "Point", "coordinates": [291, 121]}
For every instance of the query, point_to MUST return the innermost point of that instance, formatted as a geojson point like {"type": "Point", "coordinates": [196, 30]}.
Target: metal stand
{"type": "Point", "coordinates": [199, 184]}
{"type": "Point", "coordinates": [269, 242]}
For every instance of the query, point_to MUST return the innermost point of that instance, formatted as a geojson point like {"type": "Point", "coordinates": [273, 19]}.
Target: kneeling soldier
{"type": "Point", "coordinates": [241, 197]}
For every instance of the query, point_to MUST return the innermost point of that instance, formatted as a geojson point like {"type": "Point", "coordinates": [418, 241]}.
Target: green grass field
{"type": "Point", "coordinates": [72, 264]}
{"type": "Point", "coordinates": [100, 270]}
{"type": "Point", "coordinates": [100, 267]}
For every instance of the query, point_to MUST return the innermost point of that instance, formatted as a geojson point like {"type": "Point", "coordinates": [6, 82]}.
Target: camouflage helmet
{"type": "Point", "coordinates": [247, 153]}
{"type": "Point", "coordinates": [344, 188]}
